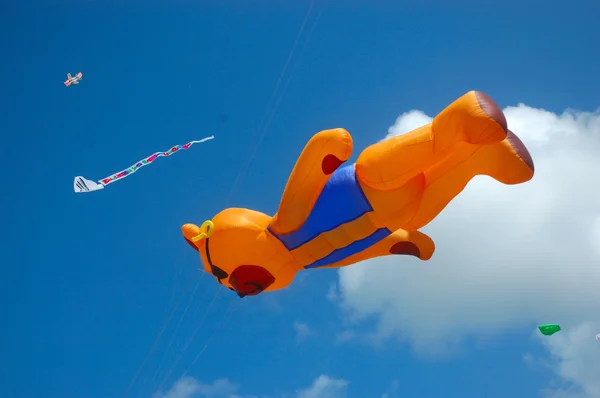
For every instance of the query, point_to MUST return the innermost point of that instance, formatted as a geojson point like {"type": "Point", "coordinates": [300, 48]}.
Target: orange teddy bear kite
{"type": "Point", "coordinates": [333, 217]}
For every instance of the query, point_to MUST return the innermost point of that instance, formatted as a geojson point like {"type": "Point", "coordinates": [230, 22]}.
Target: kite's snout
{"type": "Point", "coordinates": [194, 233]}
{"type": "Point", "coordinates": [190, 231]}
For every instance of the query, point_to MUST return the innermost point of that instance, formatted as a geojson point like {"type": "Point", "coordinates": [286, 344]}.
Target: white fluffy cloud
{"type": "Point", "coordinates": [325, 387]}
{"type": "Point", "coordinates": [507, 256]}
{"type": "Point", "coordinates": [188, 387]}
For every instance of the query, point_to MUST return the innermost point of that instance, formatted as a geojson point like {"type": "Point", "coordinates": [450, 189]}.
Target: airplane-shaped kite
{"type": "Point", "coordinates": [74, 80]}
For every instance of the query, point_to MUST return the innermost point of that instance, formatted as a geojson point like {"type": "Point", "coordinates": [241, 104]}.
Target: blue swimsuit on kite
{"type": "Point", "coordinates": [342, 200]}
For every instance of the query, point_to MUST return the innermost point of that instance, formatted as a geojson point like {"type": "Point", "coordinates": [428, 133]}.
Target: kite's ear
{"type": "Point", "coordinates": [323, 154]}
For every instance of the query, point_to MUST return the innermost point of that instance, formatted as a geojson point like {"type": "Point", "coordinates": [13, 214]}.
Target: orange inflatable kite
{"type": "Point", "coordinates": [332, 217]}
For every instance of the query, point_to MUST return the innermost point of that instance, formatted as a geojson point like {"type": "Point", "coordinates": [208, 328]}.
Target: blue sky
{"type": "Point", "coordinates": [89, 280]}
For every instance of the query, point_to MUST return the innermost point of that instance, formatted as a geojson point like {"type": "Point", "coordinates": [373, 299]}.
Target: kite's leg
{"type": "Point", "coordinates": [421, 199]}
{"type": "Point", "coordinates": [474, 118]}
{"type": "Point", "coordinates": [508, 162]}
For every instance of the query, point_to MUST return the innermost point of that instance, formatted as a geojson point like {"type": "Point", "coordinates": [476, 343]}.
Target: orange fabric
{"type": "Point", "coordinates": [407, 181]}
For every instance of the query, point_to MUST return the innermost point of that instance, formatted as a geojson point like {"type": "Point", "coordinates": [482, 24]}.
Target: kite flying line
{"type": "Point", "coordinates": [240, 175]}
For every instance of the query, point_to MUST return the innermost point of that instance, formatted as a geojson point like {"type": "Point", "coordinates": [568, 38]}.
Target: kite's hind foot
{"type": "Point", "coordinates": [521, 150]}
{"type": "Point", "coordinates": [508, 161]}
{"type": "Point", "coordinates": [474, 117]}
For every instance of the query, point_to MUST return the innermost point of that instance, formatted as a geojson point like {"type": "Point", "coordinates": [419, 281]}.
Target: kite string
{"type": "Point", "coordinates": [171, 357]}
{"type": "Point", "coordinates": [157, 371]}
{"type": "Point", "coordinates": [241, 172]}
{"type": "Point", "coordinates": [230, 312]}
{"type": "Point", "coordinates": [159, 334]}
{"type": "Point", "coordinates": [247, 162]}
{"type": "Point", "coordinates": [262, 136]}
{"type": "Point", "coordinates": [200, 323]}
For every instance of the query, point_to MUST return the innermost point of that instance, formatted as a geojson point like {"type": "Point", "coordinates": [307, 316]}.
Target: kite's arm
{"type": "Point", "coordinates": [323, 154]}
{"type": "Point", "coordinates": [400, 242]}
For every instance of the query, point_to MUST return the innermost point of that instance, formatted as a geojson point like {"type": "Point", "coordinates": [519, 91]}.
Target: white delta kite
{"type": "Point", "coordinates": [81, 184]}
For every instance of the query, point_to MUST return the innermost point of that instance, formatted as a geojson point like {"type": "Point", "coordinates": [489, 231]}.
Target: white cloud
{"type": "Point", "coordinates": [189, 387]}
{"type": "Point", "coordinates": [325, 387]}
{"type": "Point", "coordinates": [302, 331]}
{"type": "Point", "coordinates": [506, 257]}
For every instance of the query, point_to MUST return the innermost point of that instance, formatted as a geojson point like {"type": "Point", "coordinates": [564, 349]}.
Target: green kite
{"type": "Point", "coordinates": [549, 330]}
